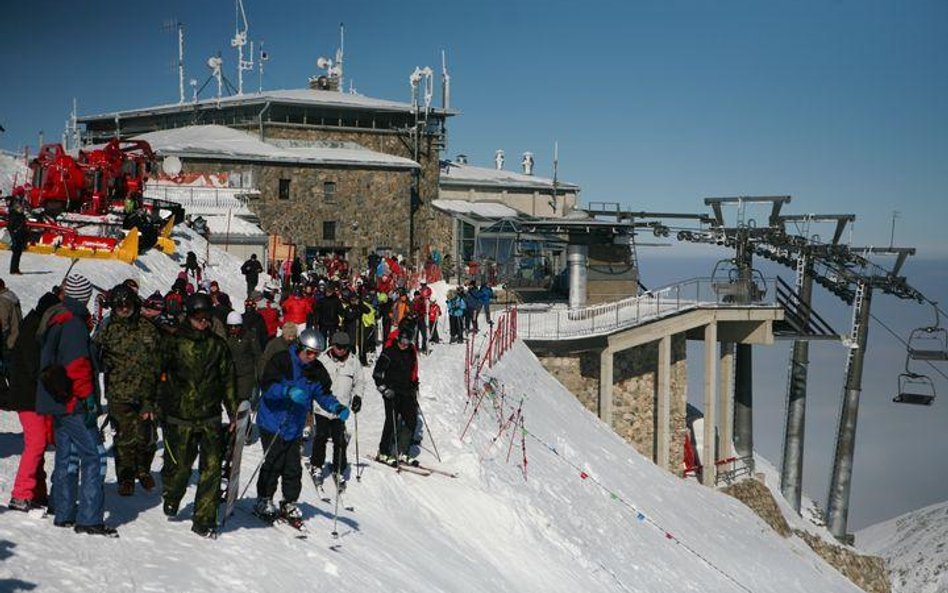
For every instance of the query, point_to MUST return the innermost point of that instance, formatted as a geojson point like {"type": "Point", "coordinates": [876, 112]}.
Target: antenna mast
{"type": "Point", "coordinates": [239, 41]}
{"type": "Point", "coordinates": [340, 54]}
{"type": "Point", "coordinates": [261, 60]}
{"type": "Point", "coordinates": [445, 83]}
{"type": "Point", "coordinates": [180, 62]}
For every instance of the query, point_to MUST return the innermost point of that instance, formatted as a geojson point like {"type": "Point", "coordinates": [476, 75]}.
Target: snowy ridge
{"type": "Point", "coordinates": [489, 530]}
{"type": "Point", "coordinates": [915, 548]}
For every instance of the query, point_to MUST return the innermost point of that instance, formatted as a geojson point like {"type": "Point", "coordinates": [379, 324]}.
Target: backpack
{"type": "Point", "coordinates": [174, 303]}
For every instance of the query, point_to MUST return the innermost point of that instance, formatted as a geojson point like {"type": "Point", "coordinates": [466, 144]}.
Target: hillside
{"type": "Point", "coordinates": [915, 549]}
{"type": "Point", "coordinates": [586, 513]}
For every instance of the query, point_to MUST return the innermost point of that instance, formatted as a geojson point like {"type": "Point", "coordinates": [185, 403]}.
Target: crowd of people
{"type": "Point", "coordinates": [182, 361]}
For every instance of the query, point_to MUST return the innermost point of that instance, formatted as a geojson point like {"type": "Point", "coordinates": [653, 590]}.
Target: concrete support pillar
{"type": "Point", "coordinates": [710, 402]}
{"type": "Point", "coordinates": [744, 403]}
{"type": "Point", "coordinates": [605, 385]}
{"type": "Point", "coordinates": [663, 407]}
{"type": "Point", "coordinates": [576, 260]}
{"type": "Point", "coordinates": [726, 446]}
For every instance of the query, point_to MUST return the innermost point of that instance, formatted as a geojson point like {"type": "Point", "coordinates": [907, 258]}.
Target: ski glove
{"type": "Point", "coordinates": [388, 392]}
{"type": "Point", "coordinates": [298, 395]}
{"type": "Point", "coordinates": [90, 411]}
{"type": "Point", "coordinates": [356, 404]}
{"type": "Point", "coordinates": [342, 412]}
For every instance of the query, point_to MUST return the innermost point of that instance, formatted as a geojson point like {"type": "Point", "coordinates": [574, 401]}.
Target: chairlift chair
{"type": "Point", "coordinates": [727, 284]}
{"type": "Point", "coordinates": [915, 388]}
{"type": "Point", "coordinates": [929, 343]}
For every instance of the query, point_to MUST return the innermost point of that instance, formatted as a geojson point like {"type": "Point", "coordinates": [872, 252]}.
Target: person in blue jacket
{"type": "Point", "coordinates": [456, 309]}
{"type": "Point", "coordinates": [290, 382]}
{"type": "Point", "coordinates": [484, 295]}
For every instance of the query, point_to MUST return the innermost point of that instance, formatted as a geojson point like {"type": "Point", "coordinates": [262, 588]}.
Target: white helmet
{"type": "Point", "coordinates": [235, 318]}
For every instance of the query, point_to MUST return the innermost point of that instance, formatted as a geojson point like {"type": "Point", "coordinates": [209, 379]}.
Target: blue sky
{"type": "Point", "coordinates": [655, 104]}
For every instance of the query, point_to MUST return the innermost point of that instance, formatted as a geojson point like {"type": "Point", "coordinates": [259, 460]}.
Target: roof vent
{"type": "Point", "coordinates": [527, 163]}
{"type": "Point", "coordinates": [499, 160]}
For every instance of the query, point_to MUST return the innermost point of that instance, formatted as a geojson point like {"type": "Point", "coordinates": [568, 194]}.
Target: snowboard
{"type": "Point", "coordinates": [232, 465]}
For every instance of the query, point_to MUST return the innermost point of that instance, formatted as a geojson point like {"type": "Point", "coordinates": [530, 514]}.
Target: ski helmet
{"type": "Point", "coordinates": [198, 302]}
{"type": "Point", "coordinates": [309, 339]}
{"type": "Point", "coordinates": [122, 294]}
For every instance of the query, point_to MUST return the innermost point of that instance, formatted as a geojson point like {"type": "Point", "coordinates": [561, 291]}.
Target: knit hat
{"type": "Point", "coordinates": [78, 287]}
{"type": "Point", "coordinates": [290, 330]}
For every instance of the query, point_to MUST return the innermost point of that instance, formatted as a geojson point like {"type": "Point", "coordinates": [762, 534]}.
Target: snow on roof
{"type": "Point", "coordinates": [223, 143]}
{"type": "Point", "coordinates": [235, 227]}
{"type": "Point", "coordinates": [303, 97]}
{"type": "Point", "coordinates": [463, 175]}
{"type": "Point", "coordinates": [203, 200]}
{"type": "Point", "coordinates": [491, 210]}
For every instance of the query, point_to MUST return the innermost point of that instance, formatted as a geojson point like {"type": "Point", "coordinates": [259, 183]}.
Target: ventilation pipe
{"type": "Point", "coordinates": [576, 259]}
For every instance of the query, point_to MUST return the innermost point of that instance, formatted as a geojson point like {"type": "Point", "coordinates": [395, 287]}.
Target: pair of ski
{"type": "Point", "coordinates": [298, 525]}
{"type": "Point", "coordinates": [324, 496]}
{"type": "Point", "coordinates": [413, 467]}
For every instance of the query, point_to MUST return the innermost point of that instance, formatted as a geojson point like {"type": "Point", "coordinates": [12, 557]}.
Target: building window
{"type": "Point", "coordinates": [329, 230]}
{"type": "Point", "coordinates": [284, 189]}
{"type": "Point", "coordinates": [329, 192]}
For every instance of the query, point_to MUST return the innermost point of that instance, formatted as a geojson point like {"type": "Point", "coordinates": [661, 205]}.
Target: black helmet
{"type": "Point", "coordinates": [198, 302]}
{"type": "Point", "coordinates": [122, 294]}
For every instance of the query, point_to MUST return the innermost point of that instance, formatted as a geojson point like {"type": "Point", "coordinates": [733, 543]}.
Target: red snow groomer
{"type": "Point", "coordinates": [93, 205]}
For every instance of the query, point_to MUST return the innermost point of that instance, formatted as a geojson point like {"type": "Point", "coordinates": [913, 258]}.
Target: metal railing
{"type": "Point", "coordinates": [560, 323]}
{"type": "Point", "coordinates": [198, 198]}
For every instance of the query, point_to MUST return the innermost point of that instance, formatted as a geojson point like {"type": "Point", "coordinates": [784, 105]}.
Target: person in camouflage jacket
{"type": "Point", "coordinates": [128, 350]}
{"type": "Point", "coordinates": [200, 381]}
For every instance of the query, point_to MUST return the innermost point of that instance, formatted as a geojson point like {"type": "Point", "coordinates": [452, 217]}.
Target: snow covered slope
{"type": "Point", "coordinates": [915, 548]}
{"type": "Point", "coordinates": [13, 171]}
{"type": "Point", "coordinates": [587, 514]}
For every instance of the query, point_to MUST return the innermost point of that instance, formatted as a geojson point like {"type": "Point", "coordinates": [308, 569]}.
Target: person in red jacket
{"type": "Point", "coordinates": [419, 310]}
{"type": "Point", "coordinates": [296, 308]}
{"type": "Point", "coordinates": [271, 317]}
{"type": "Point", "coordinates": [434, 313]}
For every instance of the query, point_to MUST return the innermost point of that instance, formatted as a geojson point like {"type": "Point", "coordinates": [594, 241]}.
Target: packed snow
{"type": "Point", "coordinates": [586, 512]}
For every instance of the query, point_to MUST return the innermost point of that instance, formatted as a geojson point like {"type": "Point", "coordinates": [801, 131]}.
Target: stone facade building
{"type": "Point", "coordinates": [336, 172]}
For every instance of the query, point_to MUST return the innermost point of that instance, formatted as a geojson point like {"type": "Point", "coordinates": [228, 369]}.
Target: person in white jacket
{"type": "Point", "coordinates": [348, 385]}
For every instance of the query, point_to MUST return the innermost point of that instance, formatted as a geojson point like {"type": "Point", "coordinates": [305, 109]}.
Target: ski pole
{"type": "Point", "coordinates": [355, 418]}
{"type": "Point", "coordinates": [395, 437]}
{"type": "Point", "coordinates": [428, 428]}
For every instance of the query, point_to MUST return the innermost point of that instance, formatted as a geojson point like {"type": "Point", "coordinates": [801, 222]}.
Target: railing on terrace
{"type": "Point", "coordinates": [198, 197]}
{"type": "Point", "coordinates": [557, 322]}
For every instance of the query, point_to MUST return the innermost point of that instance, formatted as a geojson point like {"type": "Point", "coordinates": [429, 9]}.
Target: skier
{"type": "Point", "coordinates": [251, 271]}
{"type": "Point", "coordinates": [254, 323]}
{"type": "Point", "coordinates": [484, 296]}
{"type": "Point", "coordinates": [434, 313]}
{"type": "Point", "coordinates": [456, 309]}
{"type": "Point", "coordinates": [297, 307]}
{"type": "Point", "coordinates": [66, 391]}
{"type": "Point", "coordinates": [128, 350]}
{"type": "Point", "coordinates": [200, 382]}
{"type": "Point", "coordinates": [19, 234]}
{"type": "Point", "coordinates": [471, 305]}
{"type": "Point", "coordinates": [396, 377]}
{"type": "Point", "coordinates": [291, 381]}
{"type": "Point", "coordinates": [330, 308]}
{"type": "Point", "coordinates": [419, 310]}
{"type": "Point", "coordinates": [348, 385]}
{"type": "Point", "coordinates": [10, 317]}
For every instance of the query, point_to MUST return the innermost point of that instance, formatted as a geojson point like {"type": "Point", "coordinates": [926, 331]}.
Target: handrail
{"type": "Point", "coordinates": [560, 322]}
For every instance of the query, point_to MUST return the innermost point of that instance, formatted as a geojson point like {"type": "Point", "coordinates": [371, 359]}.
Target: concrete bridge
{"type": "Point", "coordinates": [698, 309]}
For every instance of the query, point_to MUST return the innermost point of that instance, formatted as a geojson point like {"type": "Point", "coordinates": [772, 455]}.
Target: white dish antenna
{"type": "Point", "coordinates": [171, 165]}
{"type": "Point", "coordinates": [323, 63]}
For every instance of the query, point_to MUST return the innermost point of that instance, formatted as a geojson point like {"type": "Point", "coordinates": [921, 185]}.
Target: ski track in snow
{"type": "Point", "coordinates": [488, 530]}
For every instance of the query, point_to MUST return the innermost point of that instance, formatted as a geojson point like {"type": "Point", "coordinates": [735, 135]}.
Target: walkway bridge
{"type": "Point", "coordinates": [697, 309]}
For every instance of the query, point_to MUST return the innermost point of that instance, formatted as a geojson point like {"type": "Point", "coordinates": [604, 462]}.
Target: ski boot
{"type": "Point", "coordinates": [205, 532]}
{"type": "Point", "coordinates": [100, 529]}
{"type": "Point", "coordinates": [265, 509]}
{"type": "Point", "coordinates": [340, 481]}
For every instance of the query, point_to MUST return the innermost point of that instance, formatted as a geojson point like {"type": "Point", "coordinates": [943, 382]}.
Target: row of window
{"type": "Point", "coordinates": [329, 191]}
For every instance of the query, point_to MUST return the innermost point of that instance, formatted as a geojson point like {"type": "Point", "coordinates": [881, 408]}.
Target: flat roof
{"type": "Point", "coordinates": [463, 175]}
{"type": "Point", "coordinates": [223, 143]}
{"type": "Point", "coordinates": [482, 210]}
{"type": "Point", "coordinates": [299, 97]}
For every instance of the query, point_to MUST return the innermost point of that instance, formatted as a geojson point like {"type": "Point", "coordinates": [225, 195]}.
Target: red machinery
{"type": "Point", "coordinates": [82, 205]}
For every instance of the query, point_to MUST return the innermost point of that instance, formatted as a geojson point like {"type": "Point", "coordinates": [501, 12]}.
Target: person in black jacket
{"type": "Point", "coordinates": [328, 311]}
{"type": "Point", "coordinates": [251, 271]}
{"type": "Point", "coordinates": [19, 234]}
{"type": "Point", "coordinates": [396, 377]}
{"type": "Point", "coordinates": [29, 486]}
{"type": "Point", "coordinates": [254, 323]}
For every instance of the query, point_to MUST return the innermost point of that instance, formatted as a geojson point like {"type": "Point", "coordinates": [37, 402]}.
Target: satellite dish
{"type": "Point", "coordinates": [214, 62]}
{"type": "Point", "coordinates": [171, 165]}
{"type": "Point", "coordinates": [322, 63]}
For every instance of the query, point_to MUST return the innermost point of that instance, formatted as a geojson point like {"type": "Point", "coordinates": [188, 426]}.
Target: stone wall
{"type": "Point", "coordinates": [866, 572]}
{"type": "Point", "coordinates": [634, 394]}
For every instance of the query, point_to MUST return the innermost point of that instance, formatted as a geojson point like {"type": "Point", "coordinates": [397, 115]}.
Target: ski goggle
{"type": "Point", "coordinates": [311, 352]}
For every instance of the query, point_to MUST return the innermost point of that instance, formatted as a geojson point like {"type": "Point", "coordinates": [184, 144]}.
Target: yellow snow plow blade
{"type": "Point", "coordinates": [165, 245]}
{"type": "Point", "coordinates": [126, 251]}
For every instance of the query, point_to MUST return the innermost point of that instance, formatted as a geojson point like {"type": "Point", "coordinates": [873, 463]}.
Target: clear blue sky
{"type": "Point", "coordinates": [655, 104]}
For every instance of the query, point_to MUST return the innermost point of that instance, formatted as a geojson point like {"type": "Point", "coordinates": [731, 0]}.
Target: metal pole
{"type": "Point", "coordinates": [791, 475]}
{"type": "Point", "coordinates": [837, 512]}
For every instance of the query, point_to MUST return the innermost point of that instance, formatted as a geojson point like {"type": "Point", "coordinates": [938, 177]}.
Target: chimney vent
{"type": "Point", "coordinates": [527, 163]}
{"type": "Point", "coordinates": [499, 159]}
